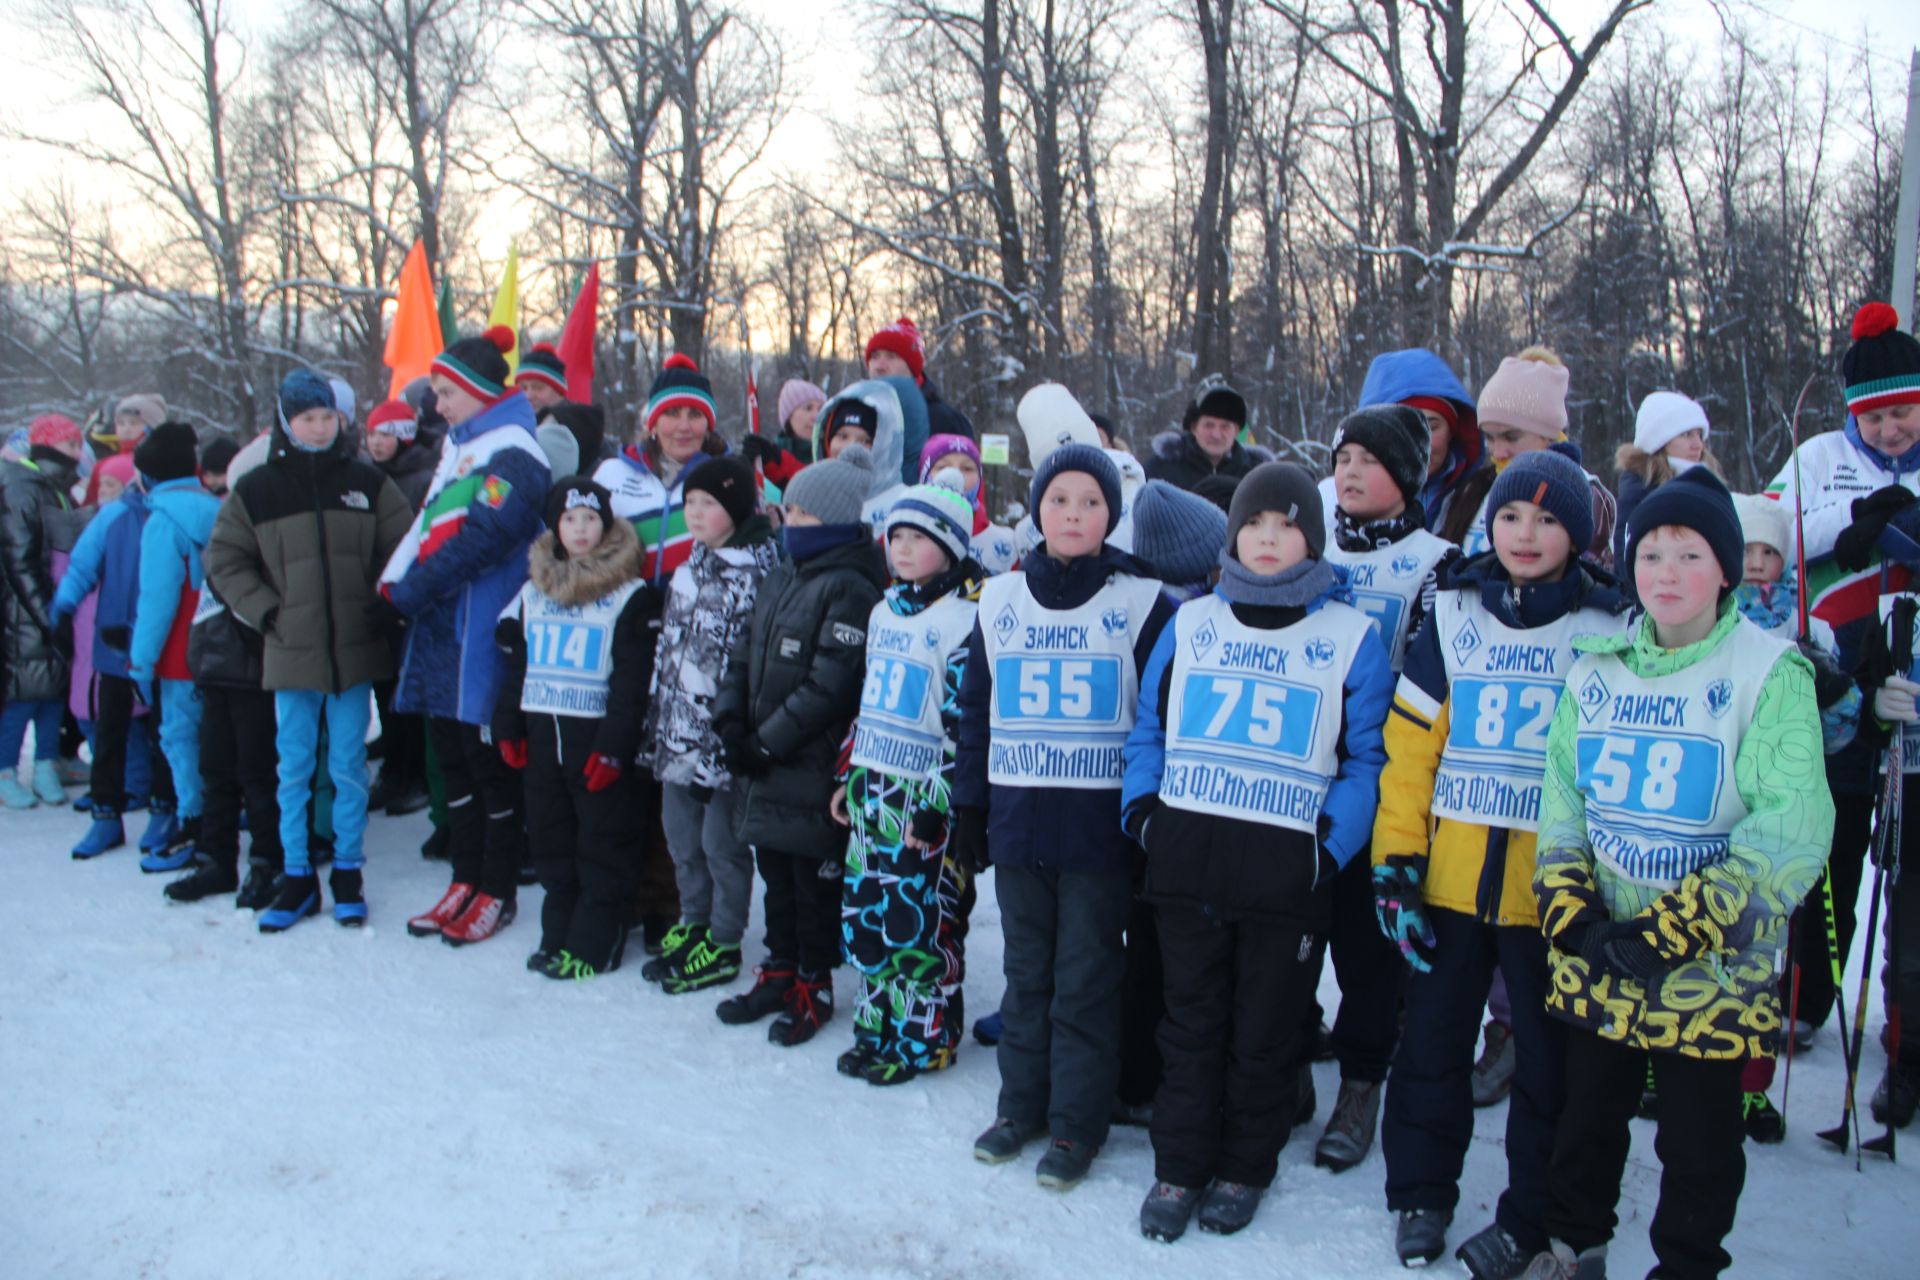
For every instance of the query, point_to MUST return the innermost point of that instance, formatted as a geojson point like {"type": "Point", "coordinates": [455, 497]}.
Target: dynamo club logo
{"type": "Point", "coordinates": [1465, 641]}
{"type": "Point", "coordinates": [1319, 653]}
{"type": "Point", "coordinates": [1004, 624]}
{"type": "Point", "coordinates": [1404, 566]}
{"type": "Point", "coordinates": [1719, 697]}
{"type": "Point", "coordinates": [1114, 622]}
{"type": "Point", "coordinates": [1204, 639]}
{"type": "Point", "coordinates": [931, 639]}
{"type": "Point", "coordinates": [1594, 696]}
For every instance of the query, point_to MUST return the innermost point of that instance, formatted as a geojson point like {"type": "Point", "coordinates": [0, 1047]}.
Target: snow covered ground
{"type": "Point", "coordinates": [185, 1097]}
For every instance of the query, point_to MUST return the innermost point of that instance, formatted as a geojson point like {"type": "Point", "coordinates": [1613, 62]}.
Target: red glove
{"type": "Point", "coordinates": [514, 752]}
{"type": "Point", "coordinates": [601, 771]}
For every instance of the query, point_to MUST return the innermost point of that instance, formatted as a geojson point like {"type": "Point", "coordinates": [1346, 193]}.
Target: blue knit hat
{"type": "Point", "coordinates": [939, 511]}
{"type": "Point", "coordinates": [1179, 533]}
{"type": "Point", "coordinates": [1555, 484]}
{"type": "Point", "coordinates": [1078, 457]}
{"type": "Point", "coordinates": [1695, 499]}
{"type": "Point", "coordinates": [301, 390]}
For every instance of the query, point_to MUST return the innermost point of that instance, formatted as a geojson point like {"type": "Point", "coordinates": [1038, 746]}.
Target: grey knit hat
{"type": "Point", "coordinates": [1285, 487]}
{"type": "Point", "coordinates": [834, 491]}
{"type": "Point", "coordinates": [1179, 533]}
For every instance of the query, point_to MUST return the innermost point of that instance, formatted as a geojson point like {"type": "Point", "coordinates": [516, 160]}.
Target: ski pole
{"type": "Point", "coordinates": [1837, 963]}
{"type": "Point", "coordinates": [1884, 1144]}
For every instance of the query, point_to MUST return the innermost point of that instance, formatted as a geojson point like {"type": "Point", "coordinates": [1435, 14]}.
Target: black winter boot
{"type": "Point", "coordinates": [205, 881]}
{"type": "Point", "coordinates": [768, 994]}
{"type": "Point", "coordinates": [809, 1006]}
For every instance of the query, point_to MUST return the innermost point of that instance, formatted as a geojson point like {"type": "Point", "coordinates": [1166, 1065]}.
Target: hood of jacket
{"type": "Point", "coordinates": [899, 437]}
{"type": "Point", "coordinates": [188, 505]}
{"type": "Point", "coordinates": [1397, 376]}
{"type": "Point", "coordinates": [576, 580]}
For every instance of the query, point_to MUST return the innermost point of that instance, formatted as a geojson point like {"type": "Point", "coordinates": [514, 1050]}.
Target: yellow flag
{"type": "Point", "coordinates": [506, 308]}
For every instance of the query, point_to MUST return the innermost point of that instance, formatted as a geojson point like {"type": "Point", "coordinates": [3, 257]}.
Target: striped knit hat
{"type": "Point", "coordinates": [543, 364]}
{"type": "Point", "coordinates": [1882, 367]}
{"type": "Point", "coordinates": [939, 511]}
{"type": "Point", "coordinates": [393, 418]}
{"type": "Point", "coordinates": [680, 383]}
{"type": "Point", "coordinates": [478, 365]}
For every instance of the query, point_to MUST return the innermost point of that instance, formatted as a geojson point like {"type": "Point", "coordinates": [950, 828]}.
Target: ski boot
{"type": "Point", "coordinates": [204, 881]}
{"type": "Point", "coordinates": [294, 899]}
{"type": "Point", "coordinates": [256, 892]}
{"type": "Point", "coordinates": [162, 828]}
{"type": "Point", "coordinates": [485, 916]}
{"type": "Point", "coordinates": [178, 853]}
{"type": "Point", "coordinates": [768, 994]}
{"type": "Point", "coordinates": [104, 835]}
{"type": "Point", "coordinates": [1561, 1263]}
{"type": "Point", "coordinates": [444, 912]}
{"type": "Point", "coordinates": [809, 1006]}
{"type": "Point", "coordinates": [1897, 1096]}
{"type": "Point", "coordinates": [349, 898]}
{"type": "Point", "coordinates": [47, 784]}
{"type": "Point", "coordinates": [1763, 1120]}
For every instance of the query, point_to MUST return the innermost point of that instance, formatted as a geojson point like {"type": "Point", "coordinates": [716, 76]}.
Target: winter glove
{"type": "Point", "coordinates": [700, 794]}
{"type": "Point", "coordinates": [969, 839]}
{"type": "Point", "coordinates": [1894, 703]}
{"type": "Point", "coordinates": [1621, 946]}
{"type": "Point", "coordinates": [929, 827]}
{"type": "Point", "coordinates": [1400, 907]}
{"type": "Point", "coordinates": [514, 752]}
{"type": "Point", "coordinates": [1830, 683]}
{"type": "Point", "coordinates": [747, 758]}
{"type": "Point", "coordinates": [382, 618]}
{"type": "Point", "coordinates": [760, 449]}
{"type": "Point", "coordinates": [1853, 550]}
{"type": "Point", "coordinates": [120, 638]}
{"type": "Point", "coordinates": [267, 620]}
{"type": "Point", "coordinates": [1134, 821]}
{"type": "Point", "coordinates": [601, 771]}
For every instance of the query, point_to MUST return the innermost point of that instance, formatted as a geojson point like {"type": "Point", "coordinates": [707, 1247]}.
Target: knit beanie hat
{"type": "Point", "coordinates": [945, 446]}
{"type": "Point", "coordinates": [1078, 457]}
{"type": "Point", "coordinates": [1882, 367]}
{"type": "Point", "coordinates": [151, 408]}
{"type": "Point", "coordinates": [728, 481]}
{"type": "Point", "coordinates": [1664, 417]}
{"type": "Point", "coordinates": [577, 491]}
{"type": "Point", "coordinates": [53, 429]}
{"type": "Point", "coordinates": [1528, 394]}
{"type": "Point", "coordinates": [301, 390]}
{"type": "Point", "coordinates": [1179, 533]}
{"type": "Point", "coordinates": [939, 511]}
{"type": "Point", "coordinates": [169, 452]}
{"type": "Point", "coordinates": [1695, 499]}
{"type": "Point", "coordinates": [1554, 483]}
{"type": "Point", "coordinates": [1217, 402]}
{"type": "Point", "coordinates": [543, 364]}
{"type": "Point", "coordinates": [218, 455]}
{"type": "Point", "coordinates": [902, 337]}
{"type": "Point", "coordinates": [478, 365]}
{"type": "Point", "coordinates": [678, 384]}
{"type": "Point", "coordinates": [393, 418]}
{"type": "Point", "coordinates": [795, 392]}
{"type": "Point", "coordinates": [1764, 520]}
{"type": "Point", "coordinates": [1285, 487]}
{"type": "Point", "coordinates": [345, 402]}
{"type": "Point", "coordinates": [834, 491]}
{"type": "Point", "coordinates": [1397, 436]}
{"type": "Point", "coordinates": [854, 413]}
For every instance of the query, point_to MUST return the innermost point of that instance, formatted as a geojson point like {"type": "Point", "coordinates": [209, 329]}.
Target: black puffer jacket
{"type": "Point", "coordinates": [411, 470]}
{"type": "Point", "coordinates": [222, 650]}
{"type": "Point", "coordinates": [1179, 460]}
{"type": "Point", "coordinates": [943, 419]}
{"type": "Point", "coordinates": [796, 692]}
{"type": "Point", "coordinates": [33, 494]}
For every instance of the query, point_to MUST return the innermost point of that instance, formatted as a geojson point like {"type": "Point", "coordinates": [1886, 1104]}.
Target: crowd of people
{"type": "Point", "coordinates": [1502, 745]}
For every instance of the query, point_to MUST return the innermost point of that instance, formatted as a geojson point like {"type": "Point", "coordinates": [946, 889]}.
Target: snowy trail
{"type": "Point", "coordinates": [187, 1098]}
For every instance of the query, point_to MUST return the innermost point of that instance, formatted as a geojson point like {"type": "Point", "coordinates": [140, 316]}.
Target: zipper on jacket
{"type": "Point", "coordinates": [326, 572]}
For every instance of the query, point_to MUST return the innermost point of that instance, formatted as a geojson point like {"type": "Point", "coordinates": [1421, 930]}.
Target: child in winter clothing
{"type": "Point", "coordinates": [1048, 696]}
{"type": "Point", "coordinates": [107, 556]}
{"type": "Point", "coordinates": [179, 521]}
{"type": "Point", "coordinates": [1180, 536]}
{"type": "Point", "coordinates": [462, 562]}
{"type": "Point", "coordinates": [708, 603]}
{"type": "Point", "coordinates": [992, 546]}
{"type": "Point", "coordinates": [888, 417]}
{"type": "Point", "coordinates": [1669, 435]}
{"type": "Point", "coordinates": [1379, 541]}
{"type": "Point", "coordinates": [1855, 489]}
{"type": "Point", "coordinates": [295, 552]}
{"type": "Point", "coordinates": [36, 534]}
{"type": "Point", "coordinates": [579, 642]}
{"type": "Point", "coordinates": [1684, 815]}
{"type": "Point", "coordinates": [648, 479]}
{"type": "Point", "coordinates": [1422, 381]}
{"type": "Point", "coordinates": [1252, 774]}
{"type": "Point", "coordinates": [781, 715]}
{"type": "Point", "coordinates": [1452, 865]}
{"type": "Point", "coordinates": [904, 899]}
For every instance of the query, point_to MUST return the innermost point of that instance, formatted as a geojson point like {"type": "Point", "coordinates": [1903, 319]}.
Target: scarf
{"type": "Point", "coordinates": [909, 598]}
{"type": "Point", "coordinates": [805, 541]}
{"type": "Point", "coordinates": [1295, 587]}
{"type": "Point", "coordinates": [1352, 534]}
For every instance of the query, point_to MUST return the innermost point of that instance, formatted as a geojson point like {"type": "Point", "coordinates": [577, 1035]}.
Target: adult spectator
{"type": "Point", "coordinates": [1207, 443]}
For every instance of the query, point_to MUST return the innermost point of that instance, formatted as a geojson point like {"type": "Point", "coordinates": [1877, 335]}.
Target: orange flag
{"type": "Point", "coordinates": [414, 340]}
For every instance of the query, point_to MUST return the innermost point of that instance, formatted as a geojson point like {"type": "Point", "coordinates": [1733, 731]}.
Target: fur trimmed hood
{"type": "Point", "coordinates": [577, 580]}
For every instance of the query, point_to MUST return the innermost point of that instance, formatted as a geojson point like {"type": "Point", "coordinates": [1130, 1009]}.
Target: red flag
{"type": "Point", "coordinates": [414, 338]}
{"type": "Point", "coordinates": [576, 340]}
{"type": "Point", "coordinates": [753, 403]}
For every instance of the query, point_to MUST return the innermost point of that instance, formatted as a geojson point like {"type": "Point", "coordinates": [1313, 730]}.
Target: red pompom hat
{"type": "Point", "coordinates": [1882, 367]}
{"type": "Point", "coordinates": [902, 337]}
{"type": "Point", "coordinates": [478, 365]}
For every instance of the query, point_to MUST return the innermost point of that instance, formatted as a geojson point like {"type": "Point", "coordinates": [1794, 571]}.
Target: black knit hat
{"type": "Point", "coordinates": [479, 364]}
{"type": "Point", "coordinates": [1397, 436]}
{"type": "Point", "coordinates": [1285, 487]}
{"type": "Point", "coordinates": [218, 456]}
{"type": "Point", "coordinates": [1882, 367]}
{"type": "Point", "coordinates": [1553, 482]}
{"type": "Point", "coordinates": [170, 452]}
{"type": "Point", "coordinates": [728, 481]}
{"type": "Point", "coordinates": [854, 413]}
{"type": "Point", "coordinates": [577, 491]}
{"type": "Point", "coordinates": [1695, 499]}
{"type": "Point", "coordinates": [1217, 402]}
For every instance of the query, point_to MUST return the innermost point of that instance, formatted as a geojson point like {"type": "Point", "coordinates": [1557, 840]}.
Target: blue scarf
{"type": "Point", "coordinates": [805, 541]}
{"type": "Point", "coordinates": [1908, 461]}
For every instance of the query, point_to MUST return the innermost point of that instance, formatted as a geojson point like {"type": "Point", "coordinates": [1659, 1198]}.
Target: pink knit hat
{"type": "Point", "coordinates": [795, 392]}
{"type": "Point", "coordinates": [1528, 394]}
{"type": "Point", "coordinates": [53, 429]}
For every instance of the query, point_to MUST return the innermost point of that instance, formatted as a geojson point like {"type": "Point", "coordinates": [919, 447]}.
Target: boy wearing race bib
{"type": "Point", "coordinates": [1379, 540]}
{"type": "Point", "coordinates": [1252, 775]}
{"type": "Point", "coordinates": [1045, 705]}
{"type": "Point", "coordinates": [579, 640]}
{"type": "Point", "coordinates": [1452, 861]}
{"type": "Point", "coordinates": [1685, 813]}
{"type": "Point", "coordinates": [904, 900]}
